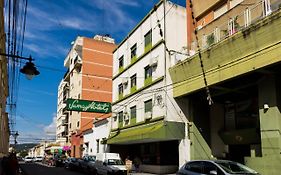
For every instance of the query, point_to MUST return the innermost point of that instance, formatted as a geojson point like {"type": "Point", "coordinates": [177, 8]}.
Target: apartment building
{"type": "Point", "coordinates": [89, 78]}
{"type": "Point", "coordinates": [146, 123]}
{"type": "Point", "coordinates": [4, 126]}
{"type": "Point", "coordinates": [232, 86]}
{"type": "Point", "coordinates": [62, 114]}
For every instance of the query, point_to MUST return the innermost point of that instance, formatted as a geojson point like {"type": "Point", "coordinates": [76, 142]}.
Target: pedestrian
{"type": "Point", "coordinates": [13, 164]}
{"type": "Point", "coordinates": [128, 164]}
{"type": "Point", "coordinates": [5, 167]}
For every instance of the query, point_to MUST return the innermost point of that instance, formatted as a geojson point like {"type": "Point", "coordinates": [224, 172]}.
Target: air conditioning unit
{"type": "Point", "coordinates": [148, 115]}
{"type": "Point", "coordinates": [125, 81]}
{"type": "Point", "coordinates": [153, 61]}
{"type": "Point", "coordinates": [126, 117]}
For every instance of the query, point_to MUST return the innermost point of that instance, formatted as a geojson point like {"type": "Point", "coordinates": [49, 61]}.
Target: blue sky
{"type": "Point", "coordinates": [51, 26]}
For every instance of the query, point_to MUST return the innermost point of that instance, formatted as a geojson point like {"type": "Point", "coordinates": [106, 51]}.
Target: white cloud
{"type": "Point", "coordinates": [51, 128]}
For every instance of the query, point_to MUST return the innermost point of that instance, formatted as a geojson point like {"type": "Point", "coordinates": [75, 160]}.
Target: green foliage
{"type": "Point", "coordinates": [23, 153]}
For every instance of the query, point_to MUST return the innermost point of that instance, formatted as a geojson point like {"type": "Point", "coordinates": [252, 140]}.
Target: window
{"type": "Point", "coordinates": [133, 115]}
{"type": "Point", "coordinates": [148, 106]}
{"type": "Point", "coordinates": [120, 91]}
{"type": "Point", "coordinates": [98, 145]}
{"type": "Point", "coordinates": [133, 83]}
{"type": "Point", "coordinates": [148, 41]}
{"type": "Point", "coordinates": [69, 125]}
{"type": "Point", "coordinates": [120, 117]}
{"type": "Point", "coordinates": [121, 63]}
{"type": "Point", "coordinates": [208, 167]}
{"type": "Point", "coordinates": [194, 167]}
{"type": "Point", "coordinates": [133, 53]}
{"type": "Point", "coordinates": [78, 123]}
{"type": "Point", "coordinates": [78, 96]}
{"type": "Point", "coordinates": [147, 75]}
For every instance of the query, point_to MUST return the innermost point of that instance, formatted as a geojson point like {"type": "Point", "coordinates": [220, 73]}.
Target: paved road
{"type": "Point", "coordinates": [37, 169]}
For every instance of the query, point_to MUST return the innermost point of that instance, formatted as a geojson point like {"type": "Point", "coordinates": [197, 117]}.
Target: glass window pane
{"type": "Point", "coordinates": [121, 61]}
{"type": "Point", "coordinates": [133, 80]}
{"type": "Point", "coordinates": [120, 89]}
{"type": "Point", "coordinates": [134, 51]}
{"type": "Point", "coordinates": [148, 38]}
{"type": "Point", "coordinates": [148, 106]}
{"type": "Point", "coordinates": [133, 112]}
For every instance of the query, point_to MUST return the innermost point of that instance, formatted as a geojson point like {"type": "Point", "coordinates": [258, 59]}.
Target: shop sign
{"type": "Point", "coordinates": [88, 106]}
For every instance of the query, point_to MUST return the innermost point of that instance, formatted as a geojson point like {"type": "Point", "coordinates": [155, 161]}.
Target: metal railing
{"type": "Point", "coordinates": [251, 15]}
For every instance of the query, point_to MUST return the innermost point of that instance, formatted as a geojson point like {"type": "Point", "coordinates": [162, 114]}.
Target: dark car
{"type": "Point", "coordinates": [87, 164]}
{"type": "Point", "coordinates": [215, 167]}
{"type": "Point", "coordinates": [71, 163]}
{"type": "Point", "coordinates": [59, 160]}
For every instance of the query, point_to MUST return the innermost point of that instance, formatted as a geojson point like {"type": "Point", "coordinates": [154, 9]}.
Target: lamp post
{"type": "Point", "coordinates": [16, 136]}
{"type": "Point", "coordinates": [28, 69]}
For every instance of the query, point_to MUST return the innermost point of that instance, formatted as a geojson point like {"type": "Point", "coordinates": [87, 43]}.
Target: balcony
{"type": "Point", "coordinates": [243, 50]}
{"type": "Point", "coordinates": [77, 62]}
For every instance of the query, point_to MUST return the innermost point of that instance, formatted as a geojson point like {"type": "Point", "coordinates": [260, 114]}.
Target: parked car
{"type": "Point", "coordinates": [87, 164]}
{"type": "Point", "coordinates": [38, 159]}
{"type": "Point", "coordinates": [59, 160]}
{"type": "Point", "coordinates": [71, 163]}
{"type": "Point", "coordinates": [109, 163]}
{"type": "Point", "coordinates": [28, 159]}
{"type": "Point", "coordinates": [215, 167]}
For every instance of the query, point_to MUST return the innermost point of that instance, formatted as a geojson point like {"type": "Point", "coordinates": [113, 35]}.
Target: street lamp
{"type": "Point", "coordinates": [28, 69]}
{"type": "Point", "coordinates": [16, 136]}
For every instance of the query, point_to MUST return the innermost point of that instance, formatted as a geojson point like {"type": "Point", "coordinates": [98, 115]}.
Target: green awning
{"type": "Point", "coordinates": [152, 132]}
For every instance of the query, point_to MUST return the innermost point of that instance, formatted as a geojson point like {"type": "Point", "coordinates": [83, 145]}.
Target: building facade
{"type": "Point", "coordinates": [4, 126]}
{"type": "Point", "coordinates": [62, 114]}
{"type": "Point", "coordinates": [146, 123]}
{"type": "Point", "coordinates": [94, 138]}
{"type": "Point", "coordinates": [239, 65]}
{"type": "Point", "coordinates": [89, 64]}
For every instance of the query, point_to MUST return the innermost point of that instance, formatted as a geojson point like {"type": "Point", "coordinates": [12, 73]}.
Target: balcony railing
{"type": "Point", "coordinates": [251, 15]}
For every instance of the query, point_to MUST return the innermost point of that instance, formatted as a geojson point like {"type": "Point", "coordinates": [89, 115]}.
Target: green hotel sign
{"type": "Point", "coordinates": [88, 106]}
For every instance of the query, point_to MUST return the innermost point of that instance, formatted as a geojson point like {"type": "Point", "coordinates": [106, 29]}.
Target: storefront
{"type": "Point", "coordinates": [155, 144]}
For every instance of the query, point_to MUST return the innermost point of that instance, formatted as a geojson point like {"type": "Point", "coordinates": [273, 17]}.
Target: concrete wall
{"type": "Point", "coordinates": [94, 139]}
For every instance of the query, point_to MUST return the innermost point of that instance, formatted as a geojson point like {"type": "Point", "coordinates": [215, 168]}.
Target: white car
{"type": "Point", "coordinates": [38, 159]}
{"type": "Point", "coordinates": [28, 159]}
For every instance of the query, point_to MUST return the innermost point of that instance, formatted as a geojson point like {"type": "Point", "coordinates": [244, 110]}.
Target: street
{"type": "Point", "coordinates": [38, 169]}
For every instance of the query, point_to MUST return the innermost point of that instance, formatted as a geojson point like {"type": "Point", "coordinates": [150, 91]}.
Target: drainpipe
{"type": "Point", "coordinates": [165, 62]}
{"type": "Point", "coordinates": [190, 26]}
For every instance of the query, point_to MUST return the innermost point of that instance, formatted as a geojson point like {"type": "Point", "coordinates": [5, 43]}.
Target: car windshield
{"type": "Point", "coordinates": [91, 158]}
{"type": "Point", "coordinates": [235, 168]}
{"type": "Point", "coordinates": [115, 162]}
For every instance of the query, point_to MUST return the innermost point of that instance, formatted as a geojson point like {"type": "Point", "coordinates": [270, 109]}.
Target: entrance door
{"type": "Point", "coordinates": [238, 152]}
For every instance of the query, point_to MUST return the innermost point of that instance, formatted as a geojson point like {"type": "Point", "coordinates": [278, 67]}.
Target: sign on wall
{"type": "Point", "coordinates": [88, 106]}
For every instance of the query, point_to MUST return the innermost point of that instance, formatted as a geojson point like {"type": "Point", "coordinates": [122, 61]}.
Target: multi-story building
{"type": "Point", "coordinates": [62, 114]}
{"type": "Point", "coordinates": [89, 77]}
{"type": "Point", "coordinates": [4, 126]}
{"type": "Point", "coordinates": [239, 69]}
{"type": "Point", "coordinates": [146, 123]}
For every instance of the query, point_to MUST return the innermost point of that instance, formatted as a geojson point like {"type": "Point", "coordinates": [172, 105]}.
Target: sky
{"type": "Point", "coordinates": [51, 26]}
